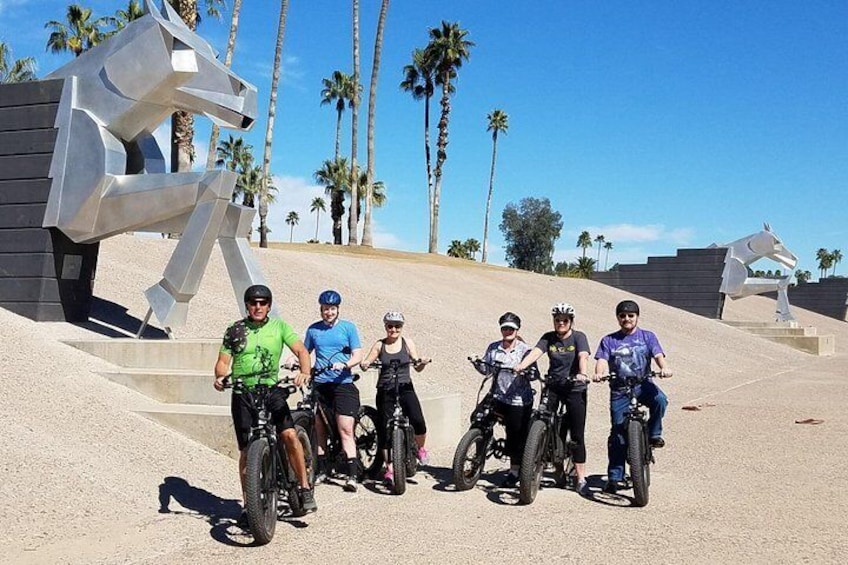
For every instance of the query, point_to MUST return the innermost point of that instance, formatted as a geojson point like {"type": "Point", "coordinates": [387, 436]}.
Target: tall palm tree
{"type": "Point", "coordinates": [228, 61]}
{"type": "Point", "coordinates": [17, 70]}
{"type": "Point", "coordinates": [419, 80]}
{"type": "Point", "coordinates": [823, 257]}
{"type": "Point", "coordinates": [230, 154]}
{"type": "Point", "coordinates": [334, 176]}
{"type": "Point", "coordinates": [182, 123]}
{"type": "Point", "coordinates": [78, 33]}
{"type": "Point", "coordinates": [338, 89]}
{"type": "Point", "coordinates": [608, 248]}
{"type": "Point", "coordinates": [498, 122]}
{"type": "Point", "coordinates": [292, 219]}
{"type": "Point", "coordinates": [450, 48]}
{"type": "Point", "coordinates": [584, 241]}
{"type": "Point", "coordinates": [122, 18]}
{"type": "Point", "coordinates": [372, 105]}
{"type": "Point", "coordinates": [599, 239]}
{"type": "Point", "coordinates": [269, 131]}
{"type": "Point", "coordinates": [378, 197]}
{"type": "Point", "coordinates": [353, 216]}
{"type": "Point", "coordinates": [318, 205]}
{"type": "Point", "coordinates": [836, 257]}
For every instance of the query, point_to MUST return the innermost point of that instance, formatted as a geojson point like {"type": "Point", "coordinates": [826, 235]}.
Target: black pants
{"type": "Point", "coordinates": [516, 420]}
{"type": "Point", "coordinates": [574, 420]}
{"type": "Point", "coordinates": [386, 406]}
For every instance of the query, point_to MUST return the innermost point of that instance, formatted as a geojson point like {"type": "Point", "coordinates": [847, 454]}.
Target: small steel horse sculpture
{"type": "Point", "coordinates": [108, 173]}
{"type": "Point", "coordinates": [735, 281]}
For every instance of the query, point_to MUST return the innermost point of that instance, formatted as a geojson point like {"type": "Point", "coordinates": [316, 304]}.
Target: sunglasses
{"type": "Point", "coordinates": [394, 326]}
{"type": "Point", "coordinates": [625, 315]}
{"type": "Point", "coordinates": [258, 302]}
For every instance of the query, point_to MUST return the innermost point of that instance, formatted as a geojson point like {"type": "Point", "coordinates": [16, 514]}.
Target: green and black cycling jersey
{"type": "Point", "coordinates": [256, 349]}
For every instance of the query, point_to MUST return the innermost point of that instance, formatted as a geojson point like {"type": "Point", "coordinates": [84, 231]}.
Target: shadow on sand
{"type": "Point", "coordinates": [111, 320]}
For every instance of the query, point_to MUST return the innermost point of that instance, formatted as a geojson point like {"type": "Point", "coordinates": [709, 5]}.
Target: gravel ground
{"type": "Point", "coordinates": [84, 479]}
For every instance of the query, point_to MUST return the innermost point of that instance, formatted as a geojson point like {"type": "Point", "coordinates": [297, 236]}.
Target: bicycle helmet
{"type": "Point", "coordinates": [257, 292]}
{"type": "Point", "coordinates": [510, 320]}
{"type": "Point", "coordinates": [563, 308]}
{"type": "Point", "coordinates": [330, 298]}
{"type": "Point", "coordinates": [627, 306]}
{"type": "Point", "coordinates": [393, 318]}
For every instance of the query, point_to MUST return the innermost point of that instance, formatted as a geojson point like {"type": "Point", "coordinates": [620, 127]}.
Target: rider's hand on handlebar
{"type": "Point", "coordinates": [582, 378]}
{"type": "Point", "coordinates": [596, 378]}
{"type": "Point", "coordinates": [301, 379]}
{"type": "Point", "coordinates": [219, 383]}
{"type": "Point", "coordinates": [666, 373]}
{"type": "Point", "coordinates": [421, 362]}
{"type": "Point", "coordinates": [365, 366]}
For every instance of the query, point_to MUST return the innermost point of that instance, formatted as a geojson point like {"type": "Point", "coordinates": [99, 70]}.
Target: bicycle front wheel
{"type": "Point", "coordinates": [399, 460]}
{"type": "Point", "coordinates": [469, 459]}
{"type": "Point", "coordinates": [636, 458]}
{"type": "Point", "coordinates": [365, 435]}
{"type": "Point", "coordinates": [533, 462]}
{"type": "Point", "coordinates": [260, 491]}
{"type": "Point", "coordinates": [293, 488]}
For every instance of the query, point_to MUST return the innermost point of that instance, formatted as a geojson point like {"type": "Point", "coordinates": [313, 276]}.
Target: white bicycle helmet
{"type": "Point", "coordinates": [393, 317]}
{"type": "Point", "coordinates": [563, 308]}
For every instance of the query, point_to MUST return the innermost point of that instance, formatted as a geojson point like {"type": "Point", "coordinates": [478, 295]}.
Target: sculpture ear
{"type": "Point", "coordinates": [171, 15]}
{"type": "Point", "coordinates": [766, 226]}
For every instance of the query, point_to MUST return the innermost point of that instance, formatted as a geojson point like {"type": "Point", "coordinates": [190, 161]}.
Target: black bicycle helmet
{"type": "Point", "coordinates": [510, 320]}
{"type": "Point", "coordinates": [627, 306]}
{"type": "Point", "coordinates": [257, 292]}
{"type": "Point", "coordinates": [330, 298]}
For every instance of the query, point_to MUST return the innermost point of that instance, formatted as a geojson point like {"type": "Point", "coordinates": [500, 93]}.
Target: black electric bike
{"type": "Point", "coordinates": [479, 444]}
{"type": "Point", "coordinates": [545, 447]}
{"type": "Point", "coordinates": [640, 454]}
{"type": "Point", "coordinates": [269, 477]}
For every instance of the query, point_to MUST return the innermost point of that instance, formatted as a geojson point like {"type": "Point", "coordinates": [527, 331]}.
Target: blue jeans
{"type": "Point", "coordinates": [649, 395]}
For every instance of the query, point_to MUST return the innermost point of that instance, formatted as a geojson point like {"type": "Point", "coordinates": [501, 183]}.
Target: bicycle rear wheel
{"type": "Point", "coordinates": [365, 435]}
{"type": "Point", "coordinates": [636, 458]}
{"type": "Point", "coordinates": [399, 460]}
{"type": "Point", "coordinates": [411, 454]}
{"type": "Point", "coordinates": [532, 462]}
{"type": "Point", "coordinates": [469, 459]}
{"type": "Point", "coordinates": [293, 489]}
{"type": "Point", "coordinates": [260, 491]}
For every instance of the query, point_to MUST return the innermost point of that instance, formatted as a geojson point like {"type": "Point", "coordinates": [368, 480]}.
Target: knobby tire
{"type": "Point", "coordinates": [260, 491]}
{"type": "Point", "coordinates": [532, 462]}
{"type": "Point", "coordinates": [469, 459]}
{"type": "Point", "coordinates": [399, 451]}
{"type": "Point", "coordinates": [293, 491]}
{"type": "Point", "coordinates": [365, 435]}
{"type": "Point", "coordinates": [637, 459]}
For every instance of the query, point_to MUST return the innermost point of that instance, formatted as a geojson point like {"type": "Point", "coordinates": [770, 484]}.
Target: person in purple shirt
{"type": "Point", "coordinates": [629, 352]}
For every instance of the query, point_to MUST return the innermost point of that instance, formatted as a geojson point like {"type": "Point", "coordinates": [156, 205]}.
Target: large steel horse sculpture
{"type": "Point", "coordinates": [735, 281]}
{"type": "Point", "coordinates": [108, 173]}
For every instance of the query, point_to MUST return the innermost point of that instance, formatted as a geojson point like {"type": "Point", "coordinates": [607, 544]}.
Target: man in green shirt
{"type": "Point", "coordinates": [251, 349]}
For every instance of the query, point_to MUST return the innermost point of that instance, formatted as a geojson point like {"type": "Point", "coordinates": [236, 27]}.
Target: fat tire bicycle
{"type": "Point", "coordinates": [269, 477]}
{"type": "Point", "coordinates": [545, 446]}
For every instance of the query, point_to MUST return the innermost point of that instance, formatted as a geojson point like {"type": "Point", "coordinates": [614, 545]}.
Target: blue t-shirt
{"type": "Point", "coordinates": [629, 355]}
{"type": "Point", "coordinates": [329, 344]}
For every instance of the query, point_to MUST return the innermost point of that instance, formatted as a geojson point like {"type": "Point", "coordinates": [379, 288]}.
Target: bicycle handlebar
{"type": "Point", "coordinates": [637, 378]}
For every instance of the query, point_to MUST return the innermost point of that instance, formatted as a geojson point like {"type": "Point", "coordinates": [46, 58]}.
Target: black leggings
{"type": "Point", "coordinates": [516, 421]}
{"type": "Point", "coordinates": [411, 407]}
{"type": "Point", "coordinates": [574, 420]}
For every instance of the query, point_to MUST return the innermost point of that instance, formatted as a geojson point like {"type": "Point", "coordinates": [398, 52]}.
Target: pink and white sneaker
{"type": "Point", "coordinates": [423, 456]}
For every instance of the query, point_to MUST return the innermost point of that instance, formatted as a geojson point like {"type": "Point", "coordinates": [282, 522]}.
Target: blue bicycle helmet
{"type": "Point", "coordinates": [330, 298]}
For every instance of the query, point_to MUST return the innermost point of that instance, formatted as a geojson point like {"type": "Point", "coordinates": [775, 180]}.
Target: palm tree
{"type": "Point", "coordinates": [339, 90]}
{"type": "Point", "coordinates": [584, 241]}
{"type": "Point", "coordinates": [292, 219]}
{"type": "Point", "coordinates": [269, 131]}
{"type": "Point", "coordinates": [449, 48]}
{"type": "Point", "coordinates": [372, 105]}
{"type": "Point", "coordinates": [599, 239]}
{"type": "Point", "coordinates": [608, 248]}
{"type": "Point", "coordinates": [585, 267]}
{"type": "Point", "coordinates": [318, 205]}
{"type": "Point", "coordinates": [498, 122]}
{"type": "Point", "coordinates": [378, 197]}
{"type": "Point", "coordinates": [419, 80]}
{"type": "Point", "coordinates": [457, 249]}
{"type": "Point", "coordinates": [836, 257]}
{"type": "Point", "coordinates": [228, 60]}
{"type": "Point", "coordinates": [122, 18]}
{"type": "Point", "coordinates": [18, 70]}
{"type": "Point", "coordinates": [803, 276]}
{"type": "Point", "coordinates": [473, 246]}
{"type": "Point", "coordinates": [230, 154]}
{"type": "Point", "coordinates": [825, 261]}
{"type": "Point", "coordinates": [182, 123]}
{"type": "Point", "coordinates": [353, 216]}
{"type": "Point", "coordinates": [78, 33]}
{"type": "Point", "coordinates": [335, 178]}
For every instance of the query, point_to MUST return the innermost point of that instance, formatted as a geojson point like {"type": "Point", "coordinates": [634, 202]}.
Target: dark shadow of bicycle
{"type": "Point", "coordinates": [220, 513]}
{"type": "Point", "coordinates": [595, 493]}
{"type": "Point", "coordinates": [443, 477]}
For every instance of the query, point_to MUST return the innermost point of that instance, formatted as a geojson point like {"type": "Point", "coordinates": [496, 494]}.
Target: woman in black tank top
{"type": "Point", "coordinates": [390, 348]}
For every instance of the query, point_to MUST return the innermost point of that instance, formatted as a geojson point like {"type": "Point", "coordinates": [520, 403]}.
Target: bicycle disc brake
{"type": "Point", "coordinates": [497, 448]}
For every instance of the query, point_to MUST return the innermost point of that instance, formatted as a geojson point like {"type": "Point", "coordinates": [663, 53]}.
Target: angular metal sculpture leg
{"type": "Point", "coordinates": [783, 313]}
{"type": "Point", "coordinates": [241, 262]}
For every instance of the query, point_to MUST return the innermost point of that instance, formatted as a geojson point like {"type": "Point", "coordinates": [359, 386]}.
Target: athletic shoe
{"type": "Point", "coordinates": [612, 487]}
{"type": "Point", "coordinates": [242, 521]}
{"type": "Point", "coordinates": [389, 475]}
{"type": "Point", "coordinates": [307, 500]}
{"type": "Point", "coordinates": [510, 481]}
{"type": "Point", "coordinates": [350, 485]}
{"type": "Point", "coordinates": [423, 456]}
{"type": "Point", "coordinates": [657, 442]}
{"type": "Point", "coordinates": [582, 487]}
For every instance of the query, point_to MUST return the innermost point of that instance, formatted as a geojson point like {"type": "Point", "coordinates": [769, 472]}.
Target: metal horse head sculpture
{"type": "Point", "coordinates": [108, 172]}
{"type": "Point", "coordinates": [735, 281]}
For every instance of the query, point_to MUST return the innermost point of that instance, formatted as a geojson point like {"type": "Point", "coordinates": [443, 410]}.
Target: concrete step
{"type": "Point", "coordinates": [791, 334]}
{"type": "Point", "coordinates": [188, 354]}
{"type": "Point", "coordinates": [746, 324]}
{"type": "Point", "coordinates": [779, 332]}
{"type": "Point", "coordinates": [212, 425]}
{"type": "Point", "coordinates": [815, 344]}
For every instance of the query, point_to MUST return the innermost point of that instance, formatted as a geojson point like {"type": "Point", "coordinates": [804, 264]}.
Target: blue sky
{"type": "Point", "coordinates": [657, 124]}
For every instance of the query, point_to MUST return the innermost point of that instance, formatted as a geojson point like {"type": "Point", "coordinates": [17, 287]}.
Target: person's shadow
{"type": "Point", "coordinates": [220, 513]}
